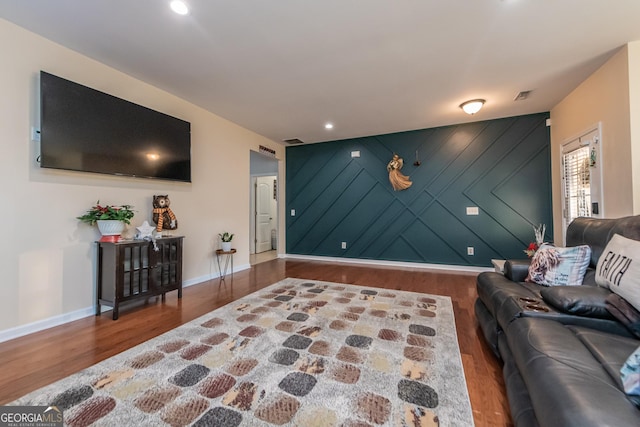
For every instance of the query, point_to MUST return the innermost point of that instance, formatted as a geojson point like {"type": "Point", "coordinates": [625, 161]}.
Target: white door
{"type": "Point", "coordinates": [264, 219]}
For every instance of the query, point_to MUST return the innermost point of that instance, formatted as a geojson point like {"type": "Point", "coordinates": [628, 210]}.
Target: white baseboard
{"type": "Point", "coordinates": [22, 330]}
{"type": "Point", "coordinates": [394, 264]}
{"type": "Point", "coordinates": [40, 325]}
{"type": "Point", "coordinates": [29, 328]}
{"type": "Point", "coordinates": [196, 280]}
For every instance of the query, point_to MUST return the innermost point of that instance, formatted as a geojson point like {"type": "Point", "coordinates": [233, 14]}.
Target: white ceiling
{"type": "Point", "coordinates": [283, 68]}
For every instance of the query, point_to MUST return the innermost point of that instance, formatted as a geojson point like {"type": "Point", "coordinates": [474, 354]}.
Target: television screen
{"type": "Point", "coordinates": [83, 129]}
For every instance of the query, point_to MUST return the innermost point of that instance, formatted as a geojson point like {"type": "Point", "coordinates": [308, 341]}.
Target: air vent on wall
{"type": "Point", "coordinates": [293, 141]}
{"type": "Point", "coordinates": [522, 95]}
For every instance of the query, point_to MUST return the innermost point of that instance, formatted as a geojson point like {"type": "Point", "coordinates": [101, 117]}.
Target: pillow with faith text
{"type": "Point", "coordinates": [619, 269]}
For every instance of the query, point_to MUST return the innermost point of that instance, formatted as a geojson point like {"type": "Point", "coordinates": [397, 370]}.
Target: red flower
{"type": "Point", "coordinates": [531, 249]}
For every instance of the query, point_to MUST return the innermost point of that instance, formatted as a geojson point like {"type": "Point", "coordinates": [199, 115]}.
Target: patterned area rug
{"type": "Point", "coordinates": [297, 353]}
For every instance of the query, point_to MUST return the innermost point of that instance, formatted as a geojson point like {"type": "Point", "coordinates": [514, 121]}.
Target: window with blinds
{"type": "Point", "coordinates": [577, 183]}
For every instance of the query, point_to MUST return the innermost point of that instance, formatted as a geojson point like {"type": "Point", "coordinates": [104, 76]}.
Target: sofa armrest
{"type": "Point", "coordinates": [517, 269]}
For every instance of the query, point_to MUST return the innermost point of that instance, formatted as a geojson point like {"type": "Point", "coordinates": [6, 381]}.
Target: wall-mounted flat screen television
{"type": "Point", "coordinates": [83, 129]}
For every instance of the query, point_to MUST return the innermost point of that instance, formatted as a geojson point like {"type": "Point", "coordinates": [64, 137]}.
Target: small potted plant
{"type": "Point", "coordinates": [110, 220]}
{"type": "Point", "coordinates": [226, 238]}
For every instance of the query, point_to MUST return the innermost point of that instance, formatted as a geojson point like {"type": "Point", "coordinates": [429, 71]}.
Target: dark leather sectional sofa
{"type": "Point", "coordinates": [562, 349]}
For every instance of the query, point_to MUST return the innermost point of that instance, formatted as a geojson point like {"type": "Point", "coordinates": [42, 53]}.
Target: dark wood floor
{"type": "Point", "coordinates": [38, 359]}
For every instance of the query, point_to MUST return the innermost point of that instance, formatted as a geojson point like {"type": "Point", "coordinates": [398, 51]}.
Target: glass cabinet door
{"type": "Point", "coordinates": [135, 262]}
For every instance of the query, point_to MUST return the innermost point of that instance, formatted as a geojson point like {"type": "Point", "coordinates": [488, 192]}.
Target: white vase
{"type": "Point", "coordinates": [111, 229]}
{"type": "Point", "coordinates": [226, 246]}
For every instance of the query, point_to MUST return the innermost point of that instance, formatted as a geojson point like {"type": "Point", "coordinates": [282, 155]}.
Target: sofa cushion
{"type": "Point", "coordinates": [612, 352]}
{"type": "Point", "coordinates": [589, 277]}
{"type": "Point", "coordinates": [587, 301]}
{"type": "Point", "coordinates": [506, 300]}
{"type": "Point", "coordinates": [514, 308]}
{"type": "Point", "coordinates": [567, 384]}
{"type": "Point", "coordinates": [619, 268]}
{"type": "Point", "coordinates": [609, 349]}
{"type": "Point", "coordinates": [555, 266]}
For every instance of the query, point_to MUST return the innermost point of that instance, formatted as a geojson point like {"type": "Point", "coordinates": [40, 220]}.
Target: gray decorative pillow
{"type": "Point", "coordinates": [553, 266]}
{"type": "Point", "coordinates": [630, 374]}
{"type": "Point", "coordinates": [619, 268]}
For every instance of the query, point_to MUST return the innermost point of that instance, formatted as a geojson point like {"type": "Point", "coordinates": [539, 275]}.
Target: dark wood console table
{"type": "Point", "coordinates": [131, 270]}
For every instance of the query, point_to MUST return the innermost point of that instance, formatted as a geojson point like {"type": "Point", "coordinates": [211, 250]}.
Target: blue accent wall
{"type": "Point", "coordinates": [502, 166]}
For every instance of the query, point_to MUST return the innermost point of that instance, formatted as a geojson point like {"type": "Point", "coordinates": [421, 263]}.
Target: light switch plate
{"type": "Point", "coordinates": [35, 134]}
{"type": "Point", "coordinates": [473, 210]}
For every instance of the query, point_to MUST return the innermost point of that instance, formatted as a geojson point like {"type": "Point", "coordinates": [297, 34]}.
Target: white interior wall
{"type": "Point", "coordinates": [602, 98]}
{"type": "Point", "coordinates": [47, 255]}
{"type": "Point", "coordinates": [634, 112]}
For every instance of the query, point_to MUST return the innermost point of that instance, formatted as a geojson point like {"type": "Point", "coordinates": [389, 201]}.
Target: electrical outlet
{"type": "Point", "coordinates": [293, 212]}
{"type": "Point", "coordinates": [344, 245]}
{"type": "Point", "coordinates": [470, 250]}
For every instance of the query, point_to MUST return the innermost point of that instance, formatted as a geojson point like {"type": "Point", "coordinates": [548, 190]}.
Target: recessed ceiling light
{"type": "Point", "coordinates": [179, 7]}
{"type": "Point", "coordinates": [328, 126]}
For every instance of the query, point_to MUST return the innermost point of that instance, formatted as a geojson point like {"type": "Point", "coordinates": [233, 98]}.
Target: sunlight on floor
{"type": "Point", "coordinates": [262, 257]}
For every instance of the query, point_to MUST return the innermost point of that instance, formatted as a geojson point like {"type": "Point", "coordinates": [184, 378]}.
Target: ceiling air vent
{"type": "Point", "coordinates": [293, 141]}
{"type": "Point", "coordinates": [522, 95]}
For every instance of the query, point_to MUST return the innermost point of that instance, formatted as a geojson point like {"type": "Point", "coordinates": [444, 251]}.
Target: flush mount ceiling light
{"type": "Point", "coordinates": [179, 7]}
{"type": "Point", "coordinates": [473, 106]}
{"type": "Point", "coordinates": [328, 126]}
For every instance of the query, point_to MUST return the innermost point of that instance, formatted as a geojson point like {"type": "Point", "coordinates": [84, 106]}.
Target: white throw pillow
{"type": "Point", "coordinates": [619, 268]}
{"type": "Point", "coordinates": [553, 266]}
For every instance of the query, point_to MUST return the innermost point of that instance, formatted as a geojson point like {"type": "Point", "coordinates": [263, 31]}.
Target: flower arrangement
{"type": "Point", "coordinates": [539, 235]}
{"type": "Point", "coordinates": [122, 213]}
{"type": "Point", "coordinates": [531, 249]}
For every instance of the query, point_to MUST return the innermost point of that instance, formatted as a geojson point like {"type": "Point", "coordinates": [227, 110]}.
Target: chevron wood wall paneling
{"type": "Point", "coordinates": [502, 166]}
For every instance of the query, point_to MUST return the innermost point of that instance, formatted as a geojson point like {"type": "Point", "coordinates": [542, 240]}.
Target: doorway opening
{"type": "Point", "coordinates": [263, 233]}
{"type": "Point", "coordinates": [581, 164]}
